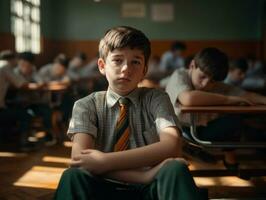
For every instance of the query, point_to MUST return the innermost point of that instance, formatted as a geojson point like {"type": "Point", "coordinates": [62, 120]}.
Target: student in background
{"type": "Point", "coordinates": [12, 115]}
{"type": "Point", "coordinates": [35, 100]}
{"type": "Point", "coordinates": [125, 159]}
{"type": "Point", "coordinates": [173, 59]}
{"type": "Point", "coordinates": [201, 85]}
{"type": "Point", "coordinates": [237, 72]}
{"type": "Point", "coordinates": [76, 67]}
{"type": "Point", "coordinates": [255, 129]}
{"type": "Point", "coordinates": [55, 72]}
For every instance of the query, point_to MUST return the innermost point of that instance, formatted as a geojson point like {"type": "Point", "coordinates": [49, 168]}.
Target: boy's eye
{"type": "Point", "coordinates": [117, 61]}
{"type": "Point", "coordinates": [136, 62]}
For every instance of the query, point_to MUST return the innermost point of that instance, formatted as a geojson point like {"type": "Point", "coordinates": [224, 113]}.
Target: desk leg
{"type": "Point", "coordinates": [193, 130]}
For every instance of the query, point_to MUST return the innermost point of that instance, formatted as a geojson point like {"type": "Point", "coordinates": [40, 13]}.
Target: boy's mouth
{"type": "Point", "coordinates": [123, 79]}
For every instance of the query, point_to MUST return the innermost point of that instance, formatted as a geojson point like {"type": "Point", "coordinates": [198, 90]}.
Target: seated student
{"type": "Point", "coordinates": [255, 76]}
{"type": "Point", "coordinates": [55, 72]}
{"type": "Point", "coordinates": [237, 72]}
{"type": "Point", "coordinates": [35, 101]}
{"type": "Point", "coordinates": [8, 61]}
{"type": "Point", "coordinates": [76, 66]}
{"type": "Point", "coordinates": [173, 59]}
{"type": "Point", "coordinates": [201, 85]}
{"type": "Point", "coordinates": [124, 137]}
{"type": "Point", "coordinates": [254, 126]}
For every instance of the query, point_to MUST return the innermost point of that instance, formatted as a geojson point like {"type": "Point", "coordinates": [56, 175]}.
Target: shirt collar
{"type": "Point", "coordinates": [112, 97]}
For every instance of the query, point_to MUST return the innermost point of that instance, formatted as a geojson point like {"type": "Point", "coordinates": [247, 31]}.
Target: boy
{"type": "Point", "coordinates": [120, 160]}
{"type": "Point", "coordinates": [55, 72]}
{"type": "Point", "coordinates": [8, 61]}
{"type": "Point", "coordinates": [173, 59]}
{"type": "Point", "coordinates": [201, 85]}
{"type": "Point", "coordinates": [76, 67]}
{"type": "Point", "coordinates": [34, 101]}
{"type": "Point", "coordinates": [237, 72]}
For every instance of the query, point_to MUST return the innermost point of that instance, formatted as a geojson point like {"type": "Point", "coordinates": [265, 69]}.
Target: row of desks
{"type": "Point", "coordinates": [223, 110]}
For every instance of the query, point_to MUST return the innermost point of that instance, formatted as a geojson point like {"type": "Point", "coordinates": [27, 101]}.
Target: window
{"type": "Point", "coordinates": [25, 24]}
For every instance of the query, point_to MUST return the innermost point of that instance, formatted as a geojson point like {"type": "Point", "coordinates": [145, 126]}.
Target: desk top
{"type": "Point", "coordinates": [224, 109]}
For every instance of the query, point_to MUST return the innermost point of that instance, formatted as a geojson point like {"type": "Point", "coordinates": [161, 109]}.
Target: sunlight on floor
{"type": "Point", "coordinates": [231, 181]}
{"type": "Point", "coordinates": [40, 177]}
{"type": "Point", "coordinates": [56, 159]}
{"type": "Point", "coordinates": [11, 154]}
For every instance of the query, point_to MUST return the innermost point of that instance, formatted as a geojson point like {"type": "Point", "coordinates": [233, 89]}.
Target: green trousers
{"type": "Point", "coordinates": [172, 182]}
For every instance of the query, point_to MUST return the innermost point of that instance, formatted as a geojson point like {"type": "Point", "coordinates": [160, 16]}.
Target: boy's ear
{"type": "Point", "coordinates": [145, 70]}
{"type": "Point", "coordinates": [192, 64]}
{"type": "Point", "coordinates": [101, 66]}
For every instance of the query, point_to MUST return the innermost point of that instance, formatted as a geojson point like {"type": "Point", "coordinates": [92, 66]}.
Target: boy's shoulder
{"type": "Point", "coordinates": [179, 79]}
{"type": "Point", "coordinates": [92, 98]}
{"type": "Point", "coordinates": [146, 94]}
{"type": "Point", "coordinates": [147, 90]}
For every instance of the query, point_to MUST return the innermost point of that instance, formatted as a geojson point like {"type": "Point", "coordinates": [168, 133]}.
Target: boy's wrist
{"type": "Point", "coordinates": [108, 162]}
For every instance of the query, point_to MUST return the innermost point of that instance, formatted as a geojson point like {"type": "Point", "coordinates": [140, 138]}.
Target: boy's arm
{"type": "Point", "coordinates": [98, 162]}
{"type": "Point", "coordinates": [255, 98]}
{"type": "Point", "coordinates": [202, 98]}
{"type": "Point", "coordinates": [81, 141]}
{"type": "Point", "coordinates": [140, 176]}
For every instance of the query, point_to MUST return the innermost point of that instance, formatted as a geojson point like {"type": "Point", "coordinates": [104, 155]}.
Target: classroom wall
{"type": "Point", "coordinates": [233, 26]}
{"type": "Point", "coordinates": [194, 20]}
{"type": "Point", "coordinates": [6, 39]}
{"type": "Point", "coordinates": [72, 25]}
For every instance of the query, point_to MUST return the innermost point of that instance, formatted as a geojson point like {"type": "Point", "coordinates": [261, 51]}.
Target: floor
{"type": "Point", "coordinates": [35, 175]}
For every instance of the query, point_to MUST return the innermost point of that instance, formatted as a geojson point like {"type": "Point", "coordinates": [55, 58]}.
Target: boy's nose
{"type": "Point", "coordinates": [125, 67]}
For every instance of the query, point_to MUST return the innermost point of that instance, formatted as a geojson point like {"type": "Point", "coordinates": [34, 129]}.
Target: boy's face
{"type": "Point", "coordinates": [124, 69]}
{"type": "Point", "coordinates": [200, 80]}
{"type": "Point", "coordinates": [25, 67]}
{"type": "Point", "coordinates": [58, 70]}
{"type": "Point", "coordinates": [237, 75]}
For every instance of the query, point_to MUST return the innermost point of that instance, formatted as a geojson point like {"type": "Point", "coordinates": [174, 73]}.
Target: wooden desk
{"type": "Point", "coordinates": [222, 109]}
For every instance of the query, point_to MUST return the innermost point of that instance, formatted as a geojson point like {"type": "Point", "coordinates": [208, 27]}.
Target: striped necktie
{"type": "Point", "coordinates": [122, 132]}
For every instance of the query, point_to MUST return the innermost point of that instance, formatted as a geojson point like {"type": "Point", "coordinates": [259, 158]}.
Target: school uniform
{"type": "Point", "coordinates": [211, 127]}
{"type": "Point", "coordinates": [150, 111]}
{"type": "Point", "coordinates": [45, 74]}
{"type": "Point", "coordinates": [36, 102]}
{"type": "Point", "coordinates": [7, 115]}
{"type": "Point", "coordinates": [169, 62]}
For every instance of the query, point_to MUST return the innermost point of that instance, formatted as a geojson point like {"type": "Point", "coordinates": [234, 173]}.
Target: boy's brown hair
{"type": "Point", "coordinates": [213, 62]}
{"type": "Point", "coordinates": [124, 36]}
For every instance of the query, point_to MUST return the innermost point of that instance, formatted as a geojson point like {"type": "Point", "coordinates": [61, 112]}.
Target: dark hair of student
{"type": "Point", "coordinates": [7, 55]}
{"type": "Point", "coordinates": [62, 61]}
{"type": "Point", "coordinates": [27, 56]}
{"type": "Point", "coordinates": [240, 63]}
{"type": "Point", "coordinates": [81, 55]}
{"type": "Point", "coordinates": [188, 61]}
{"type": "Point", "coordinates": [178, 46]}
{"type": "Point", "coordinates": [213, 62]}
{"type": "Point", "coordinates": [124, 36]}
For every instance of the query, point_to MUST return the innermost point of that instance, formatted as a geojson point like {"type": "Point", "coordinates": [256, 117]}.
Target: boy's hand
{"type": "Point", "coordinates": [91, 160]}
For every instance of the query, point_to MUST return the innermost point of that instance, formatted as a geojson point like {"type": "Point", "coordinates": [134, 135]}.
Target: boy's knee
{"type": "Point", "coordinates": [175, 167]}
{"type": "Point", "coordinates": [73, 173]}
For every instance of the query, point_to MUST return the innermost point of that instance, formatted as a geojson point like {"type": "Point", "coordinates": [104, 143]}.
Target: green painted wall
{"type": "Point", "coordinates": [194, 20]}
{"type": "Point", "coordinates": [4, 16]}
